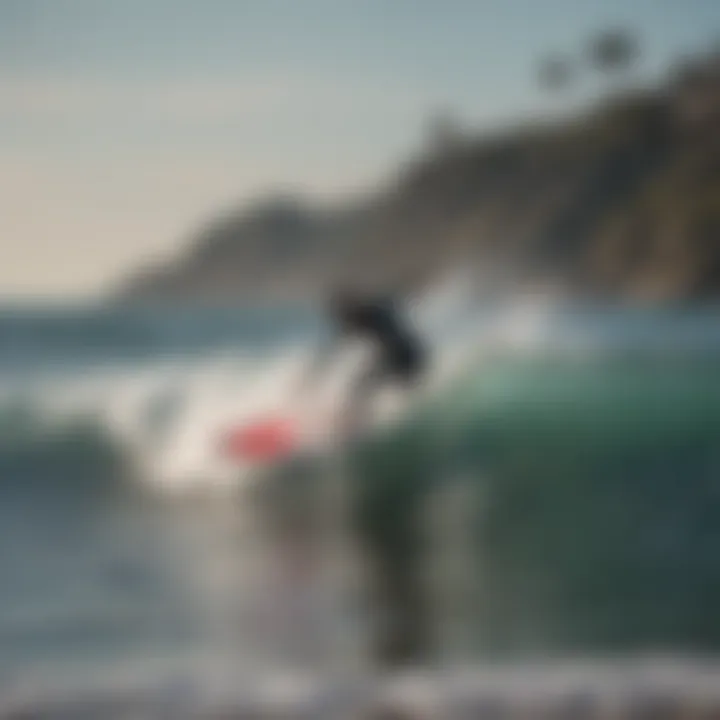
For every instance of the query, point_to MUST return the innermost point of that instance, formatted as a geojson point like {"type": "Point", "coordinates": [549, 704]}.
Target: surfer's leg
{"type": "Point", "coordinates": [395, 573]}
{"type": "Point", "coordinates": [362, 393]}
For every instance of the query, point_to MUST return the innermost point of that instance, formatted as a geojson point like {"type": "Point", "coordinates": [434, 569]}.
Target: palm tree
{"type": "Point", "coordinates": [613, 52]}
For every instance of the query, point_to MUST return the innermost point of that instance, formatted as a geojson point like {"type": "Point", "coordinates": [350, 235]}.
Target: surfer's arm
{"type": "Point", "coordinates": [320, 361]}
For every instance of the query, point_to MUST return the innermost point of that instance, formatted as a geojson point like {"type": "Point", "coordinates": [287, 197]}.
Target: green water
{"type": "Point", "coordinates": [595, 493]}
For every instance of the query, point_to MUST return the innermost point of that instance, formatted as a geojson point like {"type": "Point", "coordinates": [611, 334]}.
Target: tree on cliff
{"type": "Point", "coordinates": [614, 52]}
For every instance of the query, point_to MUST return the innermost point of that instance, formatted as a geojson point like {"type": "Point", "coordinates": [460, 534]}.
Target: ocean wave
{"type": "Point", "coordinates": [589, 490]}
{"type": "Point", "coordinates": [163, 417]}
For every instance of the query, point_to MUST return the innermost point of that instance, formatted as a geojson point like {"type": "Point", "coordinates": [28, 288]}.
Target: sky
{"type": "Point", "coordinates": [126, 125]}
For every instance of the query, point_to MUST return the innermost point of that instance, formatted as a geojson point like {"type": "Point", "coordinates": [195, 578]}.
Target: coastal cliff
{"type": "Point", "coordinates": [621, 201]}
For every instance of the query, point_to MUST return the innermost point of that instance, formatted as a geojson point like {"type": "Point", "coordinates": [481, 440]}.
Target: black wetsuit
{"type": "Point", "coordinates": [400, 355]}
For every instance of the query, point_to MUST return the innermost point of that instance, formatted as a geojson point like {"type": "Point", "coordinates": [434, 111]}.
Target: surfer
{"type": "Point", "coordinates": [398, 361]}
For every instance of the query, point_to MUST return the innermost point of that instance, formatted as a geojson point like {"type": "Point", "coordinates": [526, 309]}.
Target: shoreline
{"type": "Point", "coordinates": [663, 687]}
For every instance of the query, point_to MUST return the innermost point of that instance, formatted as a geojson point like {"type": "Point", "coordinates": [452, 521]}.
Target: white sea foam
{"type": "Point", "coordinates": [168, 416]}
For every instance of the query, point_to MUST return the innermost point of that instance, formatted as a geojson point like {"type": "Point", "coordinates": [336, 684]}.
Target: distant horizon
{"type": "Point", "coordinates": [126, 126]}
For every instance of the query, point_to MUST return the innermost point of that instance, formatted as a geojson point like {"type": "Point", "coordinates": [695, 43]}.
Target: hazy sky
{"type": "Point", "coordinates": [125, 124]}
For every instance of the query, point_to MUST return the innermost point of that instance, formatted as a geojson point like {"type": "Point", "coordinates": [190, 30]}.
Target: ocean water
{"type": "Point", "coordinates": [556, 496]}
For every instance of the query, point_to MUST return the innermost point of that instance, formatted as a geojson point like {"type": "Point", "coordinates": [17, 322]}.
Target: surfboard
{"type": "Point", "coordinates": [275, 438]}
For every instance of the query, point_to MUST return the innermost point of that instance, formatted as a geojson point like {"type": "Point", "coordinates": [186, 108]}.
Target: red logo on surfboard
{"type": "Point", "coordinates": [264, 440]}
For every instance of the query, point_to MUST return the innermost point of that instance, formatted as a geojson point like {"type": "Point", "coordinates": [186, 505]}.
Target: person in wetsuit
{"type": "Point", "coordinates": [399, 360]}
